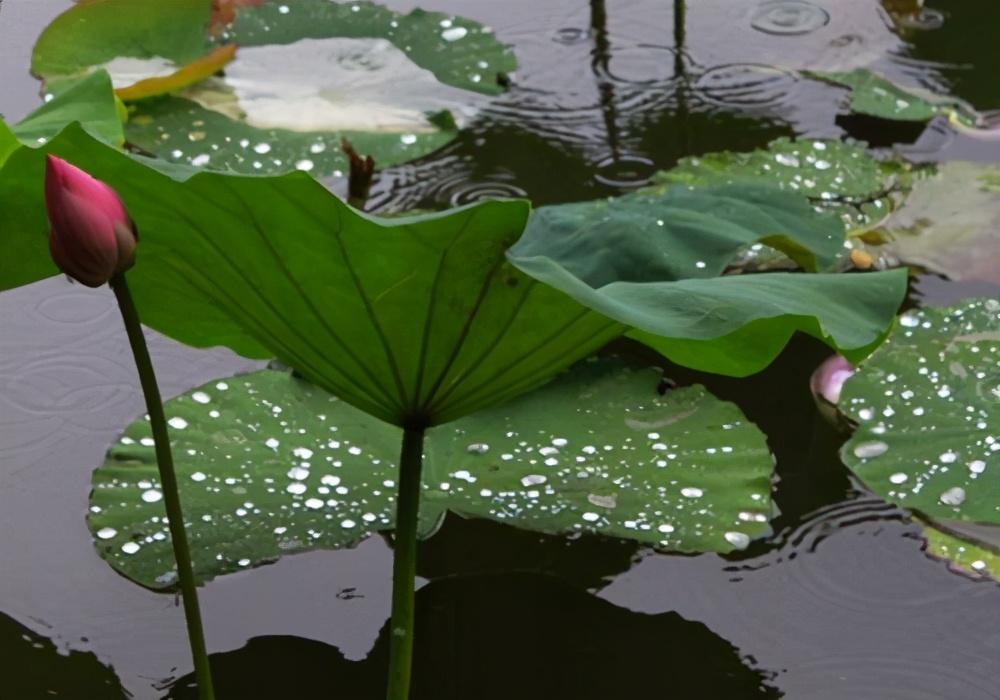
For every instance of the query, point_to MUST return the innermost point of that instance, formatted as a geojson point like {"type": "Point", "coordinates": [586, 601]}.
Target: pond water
{"type": "Point", "coordinates": [840, 603]}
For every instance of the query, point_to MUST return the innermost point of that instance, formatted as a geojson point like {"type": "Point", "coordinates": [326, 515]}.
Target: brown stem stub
{"type": "Point", "coordinates": [360, 180]}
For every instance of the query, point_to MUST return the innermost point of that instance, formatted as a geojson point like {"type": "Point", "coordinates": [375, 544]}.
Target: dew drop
{"type": "Point", "coordinates": [740, 540]}
{"type": "Point", "coordinates": [152, 496]}
{"type": "Point", "coordinates": [871, 449]}
{"type": "Point", "coordinates": [106, 533]}
{"type": "Point", "coordinates": [692, 492]}
{"type": "Point", "coordinates": [898, 478]}
{"type": "Point", "coordinates": [130, 547]}
{"type": "Point", "coordinates": [454, 33]}
{"type": "Point", "coordinates": [178, 423]}
{"type": "Point", "coordinates": [955, 496]}
{"type": "Point", "coordinates": [198, 476]}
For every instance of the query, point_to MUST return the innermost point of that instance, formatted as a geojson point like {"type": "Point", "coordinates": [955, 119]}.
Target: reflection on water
{"type": "Point", "coordinates": [507, 636]}
{"type": "Point", "coordinates": [34, 667]}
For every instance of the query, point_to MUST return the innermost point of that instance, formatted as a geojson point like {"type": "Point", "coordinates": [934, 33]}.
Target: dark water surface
{"type": "Point", "coordinates": [840, 603]}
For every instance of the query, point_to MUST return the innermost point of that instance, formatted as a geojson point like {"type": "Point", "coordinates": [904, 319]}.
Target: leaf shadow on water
{"type": "Point", "coordinates": [474, 546]}
{"type": "Point", "coordinates": [37, 668]}
{"type": "Point", "coordinates": [506, 636]}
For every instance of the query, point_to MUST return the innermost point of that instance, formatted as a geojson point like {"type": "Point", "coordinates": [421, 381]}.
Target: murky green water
{"type": "Point", "coordinates": [839, 603]}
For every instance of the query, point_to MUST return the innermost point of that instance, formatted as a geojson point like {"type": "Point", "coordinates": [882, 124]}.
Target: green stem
{"type": "Point", "coordinates": [404, 565]}
{"type": "Point", "coordinates": [168, 482]}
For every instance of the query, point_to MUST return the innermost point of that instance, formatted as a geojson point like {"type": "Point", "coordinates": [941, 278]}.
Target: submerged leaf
{"type": "Point", "coordinates": [927, 405]}
{"type": "Point", "coordinates": [270, 465]}
{"type": "Point", "coordinates": [950, 223]}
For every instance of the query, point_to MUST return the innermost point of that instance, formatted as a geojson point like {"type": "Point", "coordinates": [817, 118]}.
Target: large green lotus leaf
{"type": "Point", "coordinates": [678, 233]}
{"type": "Point", "coordinates": [950, 223]}
{"type": "Point", "coordinates": [834, 176]}
{"type": "Point", "coordinates": [599, 450]}
{"type": "Point", "coordinates": [416, 319]}
{"type": "Point", "coordinates": [271, 465]}
{"type": "Point", "coordinates": [927, 405]}
{"type": "Point", "coordinates": [735, 324]}
{"type": "Point", "coordinates": [876, 96]}
{"type": "Point", "coordinates": [97, 32]}
{"type": "Point", "coordinates": [91, 102]}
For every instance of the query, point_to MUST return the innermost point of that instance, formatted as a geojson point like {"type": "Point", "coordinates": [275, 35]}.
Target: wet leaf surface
{"type": "Point", "coordinates": [834, 176]}
{"type": "Point", "coordinates": [927, 405]}
{"type": "Point", "coordinates": [270, 465]}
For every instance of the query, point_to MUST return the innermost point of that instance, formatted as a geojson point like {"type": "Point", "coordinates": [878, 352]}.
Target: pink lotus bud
{"type": "Point", "coordinates": [828, 379]}
{"type": "Point", "coordinates": [91, 236]}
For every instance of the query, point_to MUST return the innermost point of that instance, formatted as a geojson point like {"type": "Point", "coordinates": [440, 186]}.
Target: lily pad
{"type": "Point", "coordinates": [271, 465]}
{"type": "Point", "coordinates": [268, 465]}
{"type": "Point", "coordinates": [308, 73]}
{"type": "Point", "coordinates": [927, 406]}
{"type": "Point", "coordinates": [102, 32]}
{"type": "Point", "coordinates": [834, 176]}
{"type": "Point", "coordinates": [950, 223]}
{"type": "Point", "coordinates": [876, 96]}
{"type": "Point", "coordinates": [599, 450]}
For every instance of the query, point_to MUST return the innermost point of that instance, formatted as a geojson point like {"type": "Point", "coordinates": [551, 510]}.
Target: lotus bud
{"type": "Point", "coordinates": [828, 379]}
{"type": "Point", "coordinates": [91, 236]}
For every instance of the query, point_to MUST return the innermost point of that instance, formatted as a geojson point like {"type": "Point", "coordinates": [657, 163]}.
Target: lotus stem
{"type": "Point", "coordinates": [168, 482]}
{"type": "Point", "coordinates": [404, 565]}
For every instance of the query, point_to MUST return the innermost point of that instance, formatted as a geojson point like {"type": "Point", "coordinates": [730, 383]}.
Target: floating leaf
{"type": "Point", "coordinates": [599, 450]}
{"type": "Point", "coordinates": [308, 74]}
{"type": "Point", "coordinates": [90, 102]}
{"type": "Point", "coordinates": [950, 223]}
{"type": "Point", "coordinates": [833, 175]}
{"type": "Point", "coordinates": [927, 405]}
{"type": "Point", "coordinates": [964, 555]}
{"type": "Point", "coordinates": [458, 51]}
{"type": "Point", "coordinates": [271, 465]}
{"type": "Point", "coordinates": [878, 97]}
{"type": "Point", "coordinates": [101, 32]}
{"type": "Point", "coordinates": [185, 76]}
{"type": "Point", "coordinates": [268, 465]}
